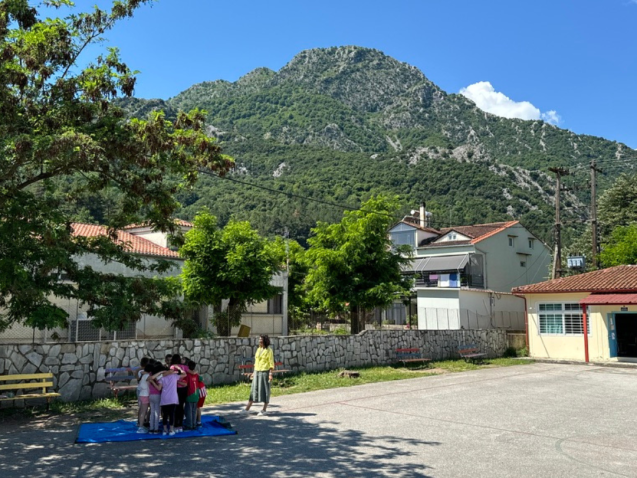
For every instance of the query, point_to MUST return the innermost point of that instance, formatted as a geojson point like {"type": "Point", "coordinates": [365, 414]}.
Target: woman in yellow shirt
{"type": "Point", "coordinates": [262, 375]}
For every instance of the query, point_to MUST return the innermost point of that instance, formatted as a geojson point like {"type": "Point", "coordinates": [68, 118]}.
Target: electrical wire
{"type": "Point", "coordinates": [298, 196]}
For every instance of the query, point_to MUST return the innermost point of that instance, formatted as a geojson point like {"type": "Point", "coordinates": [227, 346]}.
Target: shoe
{"type": "Point", "coordinates": [199, 425]}
{"type": "Point", "coordinates": [165, 433]}
{"type": "Point", "coordinates": [142, 430]}
{"type": "Point", "coordinates": [172, 433]}
{"type": "Point", "coordinates": [262, 413]}
{"type": "Point", "coordinates": [244, 411]}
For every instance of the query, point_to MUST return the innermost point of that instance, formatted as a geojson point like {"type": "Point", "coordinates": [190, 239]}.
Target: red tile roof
{"type": "Point", "coordinates": [179, 222]}
{"type": "Point", "coordinates": [609, 299]}
{"type": "Point", "coordinates": [134, 244]}
{"type": "Point", "coordinates": [613, 279]}
{"type": "Point", "coordinates": [480, 232]}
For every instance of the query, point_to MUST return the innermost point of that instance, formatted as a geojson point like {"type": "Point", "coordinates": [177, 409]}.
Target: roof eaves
{"type": "Point", "coordinates": [494, 232]}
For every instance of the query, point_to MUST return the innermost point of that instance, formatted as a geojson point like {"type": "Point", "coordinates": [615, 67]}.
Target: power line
{"type": "Point", "coordinates": [298, 196]}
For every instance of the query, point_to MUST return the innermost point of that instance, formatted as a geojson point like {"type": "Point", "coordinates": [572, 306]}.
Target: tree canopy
{"type": "Point", "coordinates": [352, 264]}
{"type": "Point", "coordinates": [621, 247]}
{"type": "Point", "coordinates": [232, 263]}
{"type": "Point", "coordinates": [59, 125]}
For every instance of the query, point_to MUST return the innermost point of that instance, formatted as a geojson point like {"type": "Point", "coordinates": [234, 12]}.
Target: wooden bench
{"type": "Point", "coordinates": [119, 379]}
{"type": "Point", "coordinates": [29, 381]}
{"type": "Point", "coordinates": [471, 352]}
{"type": "Point", "coordinates": [248, 367]}
{"type": "Point", "coordinates": [412, 355]}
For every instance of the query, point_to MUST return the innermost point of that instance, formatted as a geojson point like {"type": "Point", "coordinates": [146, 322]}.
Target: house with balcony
{"type": "Point", "coordinates": [463, 275]}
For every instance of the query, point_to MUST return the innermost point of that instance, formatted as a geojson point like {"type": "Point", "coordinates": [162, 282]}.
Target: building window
{"type": "Point", "coordinates": [275, 304]}
{"type": "Point", "coordinates": [402, 238]}
{"type": "Point", "coordinates": [511, 241]}
{"type": "Point", "coordinates": [531, 243]}
{"type": "Point", "coordinates": [562, 319]}
{"type": "Point", "coordinates": [522, 263]}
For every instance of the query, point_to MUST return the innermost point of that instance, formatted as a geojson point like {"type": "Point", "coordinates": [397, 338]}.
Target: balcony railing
{"type": "Point", "coordinates": [434, 279]}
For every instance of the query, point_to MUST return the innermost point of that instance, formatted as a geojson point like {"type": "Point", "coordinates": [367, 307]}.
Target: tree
{"type": "Point", "coordinates": [621, 247]}
{"type": "Point", "coordinates": [59, 124]}
{"type": "Point", "coordinates": [353, 262]}
{"type": "Point", "coordinates": [618, 204]}
{"type": "Point", "coordinates": [232, 263]}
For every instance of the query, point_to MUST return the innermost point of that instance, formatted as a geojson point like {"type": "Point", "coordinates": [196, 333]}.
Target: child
{"type": "Point", "coordinates": [169, 357]}
{"type": "Point", "coordinates": [192, 379]}
{"type": "Point", "coordinates": [202, 399]}
{"type": "Point", "coordinates": [169, 400]}
{"type": "Point", "coordinates": [143, 392]}
{"type": "Point", "coordinates": [155, 398]}
{"type": "Point", "coordinates": [182, 391]}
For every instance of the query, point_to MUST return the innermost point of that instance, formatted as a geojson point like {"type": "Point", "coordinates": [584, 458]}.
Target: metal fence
{"type": "Point", "coordinates": [84, 331]}
{"type": "Point", "coordinates": [442, 319]}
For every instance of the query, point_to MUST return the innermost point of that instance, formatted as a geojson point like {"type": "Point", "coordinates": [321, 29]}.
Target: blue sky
{"type": "Point", "coordinates": [573, 61]}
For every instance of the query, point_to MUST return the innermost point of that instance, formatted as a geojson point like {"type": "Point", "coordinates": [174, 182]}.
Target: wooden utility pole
{"type": "Point", "coordinates": [557, 259]}
{"type": "Point", "coordinates": [594, 170]}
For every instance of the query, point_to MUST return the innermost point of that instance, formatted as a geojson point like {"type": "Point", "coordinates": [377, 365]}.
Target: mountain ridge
{"type": "Point", "coordinates": [329, 114]}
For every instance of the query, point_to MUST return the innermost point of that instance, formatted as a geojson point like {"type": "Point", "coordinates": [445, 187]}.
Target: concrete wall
{"type": "Point", "coordinates": [79, 369]}
{"type": "Point", "coordinates": [502, 262]}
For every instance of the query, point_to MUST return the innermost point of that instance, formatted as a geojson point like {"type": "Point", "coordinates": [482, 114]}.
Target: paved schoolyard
{"type": "Point", "coordinates": [540, 420]}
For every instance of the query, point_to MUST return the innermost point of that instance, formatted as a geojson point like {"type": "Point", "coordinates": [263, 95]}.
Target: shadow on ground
{"type": "Point", "coordinates": [283, 444]}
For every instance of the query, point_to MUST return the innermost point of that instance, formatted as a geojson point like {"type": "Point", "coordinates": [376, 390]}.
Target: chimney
{"type": "Point", "coordinates": [423, 215]}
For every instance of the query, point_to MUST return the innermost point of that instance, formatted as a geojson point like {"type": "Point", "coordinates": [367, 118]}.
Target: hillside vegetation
{"type": "Point", "coordinates": [341, 124]}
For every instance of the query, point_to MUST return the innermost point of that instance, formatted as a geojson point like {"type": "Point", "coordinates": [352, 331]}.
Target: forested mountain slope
{"type": "Point", "coordinates": [339, 124]}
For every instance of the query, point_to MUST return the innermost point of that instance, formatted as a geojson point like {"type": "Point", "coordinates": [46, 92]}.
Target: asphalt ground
{"type": "Point", "coordinates": [539, 420]}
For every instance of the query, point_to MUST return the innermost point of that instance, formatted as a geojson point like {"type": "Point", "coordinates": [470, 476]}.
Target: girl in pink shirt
{"type": "Point", "coordinates": [167, 383]}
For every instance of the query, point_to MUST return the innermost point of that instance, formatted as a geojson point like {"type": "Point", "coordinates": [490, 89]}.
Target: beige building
{"type": "Point", "coordinates": [587, 317]}
{"type": "Point", "coordinates": [463, 274]}
{"type": "Point", "coordinates": [266, 317]}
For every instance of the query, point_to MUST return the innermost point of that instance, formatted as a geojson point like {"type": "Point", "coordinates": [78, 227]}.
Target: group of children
{"type": "Point", "coordinates": [170, 395]}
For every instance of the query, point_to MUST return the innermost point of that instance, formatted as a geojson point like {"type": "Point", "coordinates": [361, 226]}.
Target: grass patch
{"type": "Point", "coordinates": [309, 382]}
{"type": "Point", "coordinates": [108, 409]}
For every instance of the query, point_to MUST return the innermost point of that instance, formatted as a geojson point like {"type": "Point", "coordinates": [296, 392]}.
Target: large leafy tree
{"type": "Point", "coordinates": [232, 263]}
{"type": "Point", "coordinates": [58, 124]}
{"type": "Point", "coordinates": [353, 262]}
{"type": "Point", "coordinates": [621, 247]}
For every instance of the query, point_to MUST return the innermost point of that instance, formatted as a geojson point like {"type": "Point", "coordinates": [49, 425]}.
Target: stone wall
{"type": "Point", "coordinates": [79, 369]}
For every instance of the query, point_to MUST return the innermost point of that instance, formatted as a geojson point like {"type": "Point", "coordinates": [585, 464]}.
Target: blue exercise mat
{"type": "Point", "coordinates": [122, 430]}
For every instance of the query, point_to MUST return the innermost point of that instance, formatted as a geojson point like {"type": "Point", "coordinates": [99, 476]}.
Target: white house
{"type": "Point", "coordinates": [266, 317]}
{"type": "Point", "coordinates": [463, 274]}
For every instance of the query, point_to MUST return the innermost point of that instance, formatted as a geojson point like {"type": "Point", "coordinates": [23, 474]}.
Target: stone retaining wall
{"type": "Point", "coordinates": [79, 369]}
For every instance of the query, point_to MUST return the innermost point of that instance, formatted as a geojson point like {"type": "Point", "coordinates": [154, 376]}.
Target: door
{"type": "Point", "coordinates": [626, 326]}
{"type": "Point", "coordinates": [612, 335]}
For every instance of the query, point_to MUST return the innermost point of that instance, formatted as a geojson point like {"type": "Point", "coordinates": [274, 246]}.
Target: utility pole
{"type": "Point", "coordinates": [594, 170]}
{"type": "Point", "coordinates": [285, 326]}
{"type": "Point", "coordinates": [557, 259]}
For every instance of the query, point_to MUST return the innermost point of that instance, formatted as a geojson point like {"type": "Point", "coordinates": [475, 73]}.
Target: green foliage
{"type": "Point", "coordinates": [618, 204]}
{"type": "Point", "coordinates": [349, 123]}
{"type": "Point", "coordinates": [232, 263]}
{"type": "Point", "coordinates": [64, 141]}
{"type": "Point", "coordinates": [352, 262]}
{"type": "Point", "coordinates": [621, 247]}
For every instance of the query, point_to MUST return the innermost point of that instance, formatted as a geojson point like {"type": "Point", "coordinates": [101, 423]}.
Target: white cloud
{"type": "Point", "coordinates": [486, 98]}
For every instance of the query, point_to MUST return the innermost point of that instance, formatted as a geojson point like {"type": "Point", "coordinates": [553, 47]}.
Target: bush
{"type": "Point", "coordinates": [513, 352]}
{"type": "Point", "coordinates": [341, 331]}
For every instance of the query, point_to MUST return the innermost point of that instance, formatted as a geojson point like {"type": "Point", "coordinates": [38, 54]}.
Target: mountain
{"type": "Point", "coordinates": [339, 124]}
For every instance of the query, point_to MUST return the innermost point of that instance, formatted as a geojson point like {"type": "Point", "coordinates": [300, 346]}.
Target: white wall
{"type": "Point", "coordinates": [502, 262]}
{"type": "Point", "coordinates": [438, 309]}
